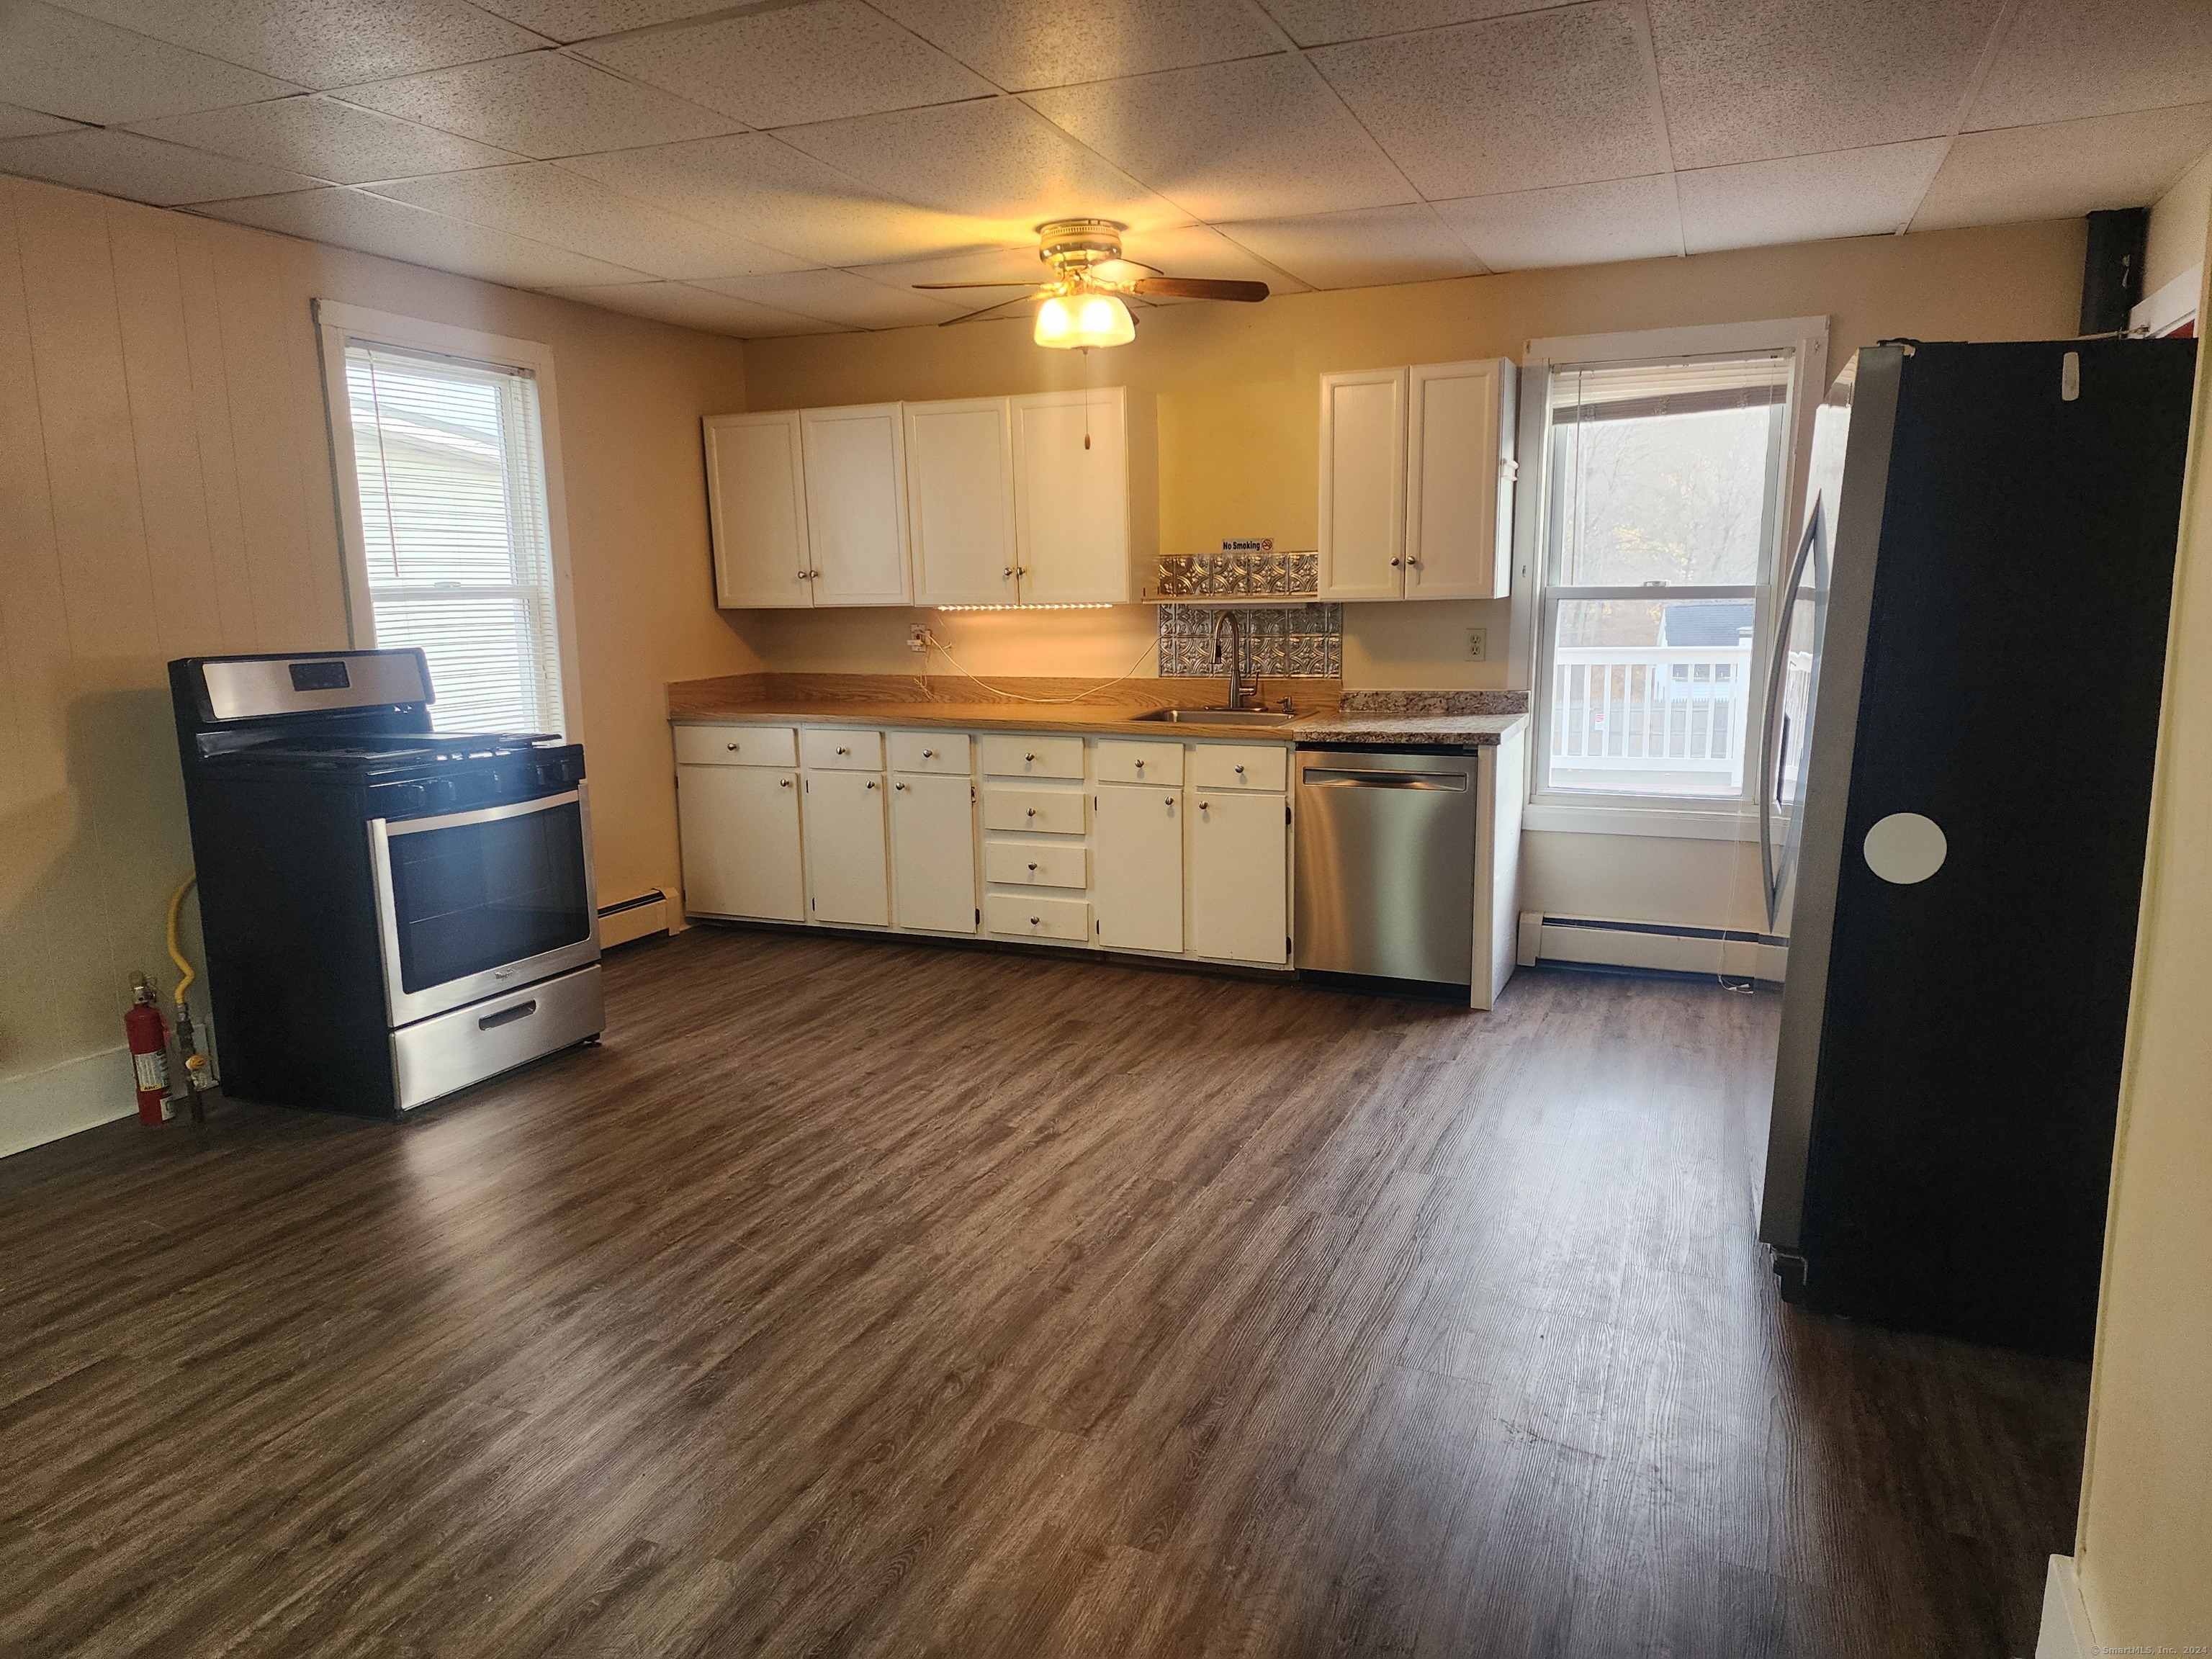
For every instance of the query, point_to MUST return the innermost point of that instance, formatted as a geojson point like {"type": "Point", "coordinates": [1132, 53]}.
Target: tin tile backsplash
{"type": "Point", "coordinates": [1298, 641]}
{"type": "Point", "coordinates": [1238, 574]}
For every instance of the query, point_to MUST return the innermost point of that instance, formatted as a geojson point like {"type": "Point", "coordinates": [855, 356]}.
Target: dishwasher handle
{"type": "Point", "coordinates": [1320, 777]}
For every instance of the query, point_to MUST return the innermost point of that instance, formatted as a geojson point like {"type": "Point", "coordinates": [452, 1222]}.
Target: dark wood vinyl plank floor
{"type": "Point", "coordinates": [871, 1299]}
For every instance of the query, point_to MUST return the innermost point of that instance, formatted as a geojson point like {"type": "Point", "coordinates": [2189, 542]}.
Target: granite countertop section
{"type": "Point", "coordinates": [1377, 719]}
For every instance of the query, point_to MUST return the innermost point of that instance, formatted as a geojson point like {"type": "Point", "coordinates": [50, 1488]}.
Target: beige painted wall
{"type": "Point", "coordinates": [2178, 224]}
{"type": "Point", "coordinates": [165, 490]}
{"type": "Point", "coordinates": [1237, 396]}
{"type": "Point", "coordinates": [2144, 1550]}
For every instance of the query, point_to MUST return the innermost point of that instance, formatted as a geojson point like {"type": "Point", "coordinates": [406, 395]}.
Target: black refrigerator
{"type": "Point", "coordinates": [1975, 636]}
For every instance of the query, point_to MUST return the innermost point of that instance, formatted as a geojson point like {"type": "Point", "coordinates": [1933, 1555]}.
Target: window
{"type": "Point", "coordinates": [1666, 486]}
{"type": "Point", "coordinates": [449, 525]}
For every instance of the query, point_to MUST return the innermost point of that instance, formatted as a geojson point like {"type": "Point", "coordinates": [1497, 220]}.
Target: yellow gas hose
{"type": "Point", "coordinates": [176, 950]}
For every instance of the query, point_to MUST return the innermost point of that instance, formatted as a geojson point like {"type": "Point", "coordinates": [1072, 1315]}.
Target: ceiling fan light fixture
{"type": "Point", "coordinates": [1079, 321]}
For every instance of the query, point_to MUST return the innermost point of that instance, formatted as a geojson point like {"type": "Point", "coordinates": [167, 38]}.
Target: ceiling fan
{"type": "Point", "coordinates": [1083, 305]}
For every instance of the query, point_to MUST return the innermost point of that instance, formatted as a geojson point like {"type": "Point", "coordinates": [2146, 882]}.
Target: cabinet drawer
{"type": "Point", "coordinates": [835, 749]}
{"type": "Point", "coordinates": [1013, 754]}
{"type": "Point", "coordinates": [736, 745]}
{"type": "Point", "coordinates": [929, 751]}
{"type": "Point", "coordinates": [1240, 765]}
{"type": "Point", "coordinates": [1036, 864]}
{"type": "Point", "coordinates": [1047, 812]}
{"type": "Point", "coordinates": [1023, 915]}
{"type": "Point", "coordinates": [1121, 761]}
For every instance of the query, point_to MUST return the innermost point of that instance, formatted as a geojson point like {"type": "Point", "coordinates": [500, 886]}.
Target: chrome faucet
{"type": "Point", "coordinates": [1229, 620]}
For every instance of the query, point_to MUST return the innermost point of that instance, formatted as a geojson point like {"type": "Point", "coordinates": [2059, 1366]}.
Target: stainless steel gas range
{"type": "Point", "coordinates": [392, 914]}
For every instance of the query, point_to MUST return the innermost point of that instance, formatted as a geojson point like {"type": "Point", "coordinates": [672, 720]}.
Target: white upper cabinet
{"type": "Point", "coordinates": [1460, 435]}
{"type": "Point", "coordinates": [960, 495]}
{"type": "Point", "coordinates": [856, 508]}
{"type": "Point", "coordinates": [1416, 481]}
{"type": "Point", "coordinates": [1071, 497]}
{"type": "Point", "coordinates": [757, 503]}
{"type": "Point", "coordinates": [1363, 484]}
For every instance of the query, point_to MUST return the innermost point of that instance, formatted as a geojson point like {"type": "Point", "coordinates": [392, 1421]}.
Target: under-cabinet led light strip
{"type": "Point", "coordinates": [1089, 606]}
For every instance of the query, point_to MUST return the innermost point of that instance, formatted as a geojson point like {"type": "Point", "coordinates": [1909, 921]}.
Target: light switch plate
{"type": "Point", "coordinates": [1478, 645]}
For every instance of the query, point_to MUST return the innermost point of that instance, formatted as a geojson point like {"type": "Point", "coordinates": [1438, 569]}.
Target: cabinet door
{"type": "Point", "coordinates": [1136, 888]}
{"type": "Point", "coordinates": [739, 826]}
{"type": "Point", "coordinates": [757, 504]}
{"type": "Point", "coordinates": [1071, 497]}
{"type": "Point", "coordinates": [960, 500]}
{"type": "Point", "coordinates": [856, 503]}
{"type": "Point", "coordinates": [847, 857]}
{"type": "Point", "coordinates": [933, 853]}
{"type": "Point", "coordinates": [1460, 433]}
{"type": "Point", "coordinates": [1363, 484]}
{"type": "Point", "coordinates": [1239, 867]}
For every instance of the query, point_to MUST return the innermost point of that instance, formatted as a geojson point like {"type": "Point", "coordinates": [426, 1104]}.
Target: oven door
{"type": "Point", "coordinates": [473, 903]}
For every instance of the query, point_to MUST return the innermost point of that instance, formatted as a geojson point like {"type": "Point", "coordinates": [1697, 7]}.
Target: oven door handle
{"type": "Point", "coordinates": [514, 809]}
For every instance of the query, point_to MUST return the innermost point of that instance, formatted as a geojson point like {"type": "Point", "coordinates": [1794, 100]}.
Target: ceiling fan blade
{"type": "Point", "coordinates": [976, 316]}
{"type": "Point", "coordinates": [972, 285]}
{"type": "Point", "coordinates": [1197, 287]}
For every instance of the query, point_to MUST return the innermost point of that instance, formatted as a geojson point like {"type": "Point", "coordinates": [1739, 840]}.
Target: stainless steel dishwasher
{"type": "Point", "coordinates": [1386, 844]}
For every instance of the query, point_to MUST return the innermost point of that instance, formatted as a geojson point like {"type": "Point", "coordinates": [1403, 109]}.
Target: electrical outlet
{"type": "Point", "coordinates": [1478, 645]}
{"type": "Point", "coordinates": [917, 637]}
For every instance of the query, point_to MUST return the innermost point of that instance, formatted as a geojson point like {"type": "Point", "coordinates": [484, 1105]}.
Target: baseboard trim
{"type": "Point", "coordinates": [37, 1107]}
{"type": "Point", "coordinates": [2065, 1633]}
{"type": "Point", "coordinates": [1651, 947]}
{"type": "Point", "coordinates": [633, 919]}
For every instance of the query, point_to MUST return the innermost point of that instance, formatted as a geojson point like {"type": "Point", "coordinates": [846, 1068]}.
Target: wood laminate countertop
{"type": "Point", "coordinates": [1381, 730]}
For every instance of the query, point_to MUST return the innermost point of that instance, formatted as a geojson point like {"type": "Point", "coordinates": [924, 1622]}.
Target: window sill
{"type": "Point", "coordinates": [1672, 822]}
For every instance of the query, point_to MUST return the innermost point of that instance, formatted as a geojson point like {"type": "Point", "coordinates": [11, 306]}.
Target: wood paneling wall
{"type": "Point", "coordinates": [165, 491]}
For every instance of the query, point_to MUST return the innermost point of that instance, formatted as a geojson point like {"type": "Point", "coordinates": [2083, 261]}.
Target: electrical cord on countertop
{"type": "Point", "coordinates": [936, 644]}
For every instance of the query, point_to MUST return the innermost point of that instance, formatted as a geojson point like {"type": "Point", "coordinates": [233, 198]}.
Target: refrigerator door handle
{"type": "Point", "coordinates": [1772, 751]}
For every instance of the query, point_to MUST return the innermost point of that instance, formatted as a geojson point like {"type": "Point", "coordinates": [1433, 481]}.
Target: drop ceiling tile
{"type": "Point", "coordinates": [1053, 43]}
{"type": "Point", "coordinates": [2062, 59]}
{"type": "Point", "coordinates": [1751, 80]}
{"type": "Point", "coordinates": [327, 138]}
{"type": "Point", "coordinates": [995, 160]}
{"type": "Point", "coordinates": [1569, 224]}
{"type": "Point", "coordinates": [1368, 247]}
{"type": "Point", "coordinates": [322, 43]}
{"type": "Point", "coordinates": [124, 164]}
{"type": "Point", "coordinates": [1202, 250]}
{"type": "Point", "coordinates": [579, 19]}
{"type": "Point", "coordinates": [695, 307]}
{"type": "Point", "coordinates": [1555, 98]}
{"type": "Point", "coordinates": [1261, 138]}
{"type": "Point", "coordinates": [16, 122]}
{"type": "Point", "coordinates": [550, 205]}
{"type": "Point", "coordinates": [373, 224]}
{"type": "Point", "coordinates": [817, 62]}
{"type": "Point", "coordinates": [60, 63]}
{"type": "Point", "coordinates": [756, 184]}
{"type": "Point", "coordinates": [542, 104]}
{"type": "Point", "coordinates": [1313, 22]}
{"type": "Point", "coordinates": [1805, 199]}
{"type": "Point", "coordinates": [2064, 168]}
{"type": "Point", "coordinates": [841, 296]}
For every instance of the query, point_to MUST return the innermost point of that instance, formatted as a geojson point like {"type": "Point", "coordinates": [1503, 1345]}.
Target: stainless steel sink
{"type": "Point", "coordinates": [1217, 717]}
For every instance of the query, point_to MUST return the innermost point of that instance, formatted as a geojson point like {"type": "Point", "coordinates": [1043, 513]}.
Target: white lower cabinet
{"type": "Point", "coordinates": [848, 850]}
{"type": "Point", "coordinates": [933, 853]}
{"type": "Point", "coordinates": [740, 831]}
{"type": "Point", "coordinates": [1238, 877]}
{"type": "Point", "coordinates": [1027, 915]}
{"type": "Point", "coordinates": [1137, 885]}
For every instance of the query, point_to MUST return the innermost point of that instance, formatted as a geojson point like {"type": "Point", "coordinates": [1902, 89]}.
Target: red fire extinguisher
{"type": "Point", "coordinates": [148, 1039]}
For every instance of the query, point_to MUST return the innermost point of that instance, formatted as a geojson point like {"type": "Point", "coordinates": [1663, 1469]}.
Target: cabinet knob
{"type": "Point", "coordinates": [1140, 765]}
{"type": "Point", "coordinates": [1205, 805]}
{"type": "Point", "coordinates": [1029, 757]}
{"type": "Point", "coordinates": [1010, 571]}
{"type": "Point", "coordinates": [1240, 771]}
{"type": "Point", "coordinates": [1036, 921]}
{"type": "Point", "coordinates": [1032, 867]}
{"type": "Point", "coordinates": [1021, 570]}
{"type": "Point", "coordinates": [1394, 563]}
{"type": "Point", "coordinates": [731, 747]}
{"type": "Point", "coordinates": [929, 754]}
{"type": "Point", "coordinates": [1169, 799]}
{"type": "Point", "coordinates": [1032, 811]}
{"type": "Point", "coordinates": [871, 783]}
{"type": "Point", "coordinates": [1410, 563]}
{"type": "Point", "coordinates": [844, 751]}
{"type": "Point", "coordinates": [785, 784]}
{"type": "Point", "coordinates": [896, 786]}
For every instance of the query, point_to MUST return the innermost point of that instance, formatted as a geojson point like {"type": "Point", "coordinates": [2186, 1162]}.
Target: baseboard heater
{"type": "Point", "coordinates": [633, 918]}
{"type": "Point", "coordinates": [1650, 947]}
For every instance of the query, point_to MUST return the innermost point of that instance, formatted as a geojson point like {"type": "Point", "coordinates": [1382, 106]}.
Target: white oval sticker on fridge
{"type": "Point", "coordinates": [1905, 847]}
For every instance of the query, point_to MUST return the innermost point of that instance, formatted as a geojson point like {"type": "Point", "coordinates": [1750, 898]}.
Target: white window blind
{"type": "Point", "coordinates": [451, 470]}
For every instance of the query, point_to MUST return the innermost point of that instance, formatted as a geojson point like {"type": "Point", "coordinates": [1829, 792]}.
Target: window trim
{"type": "Point", "coordinates": [1680, 818]}
{"type": "Point", "coordinates": [338, 325]}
